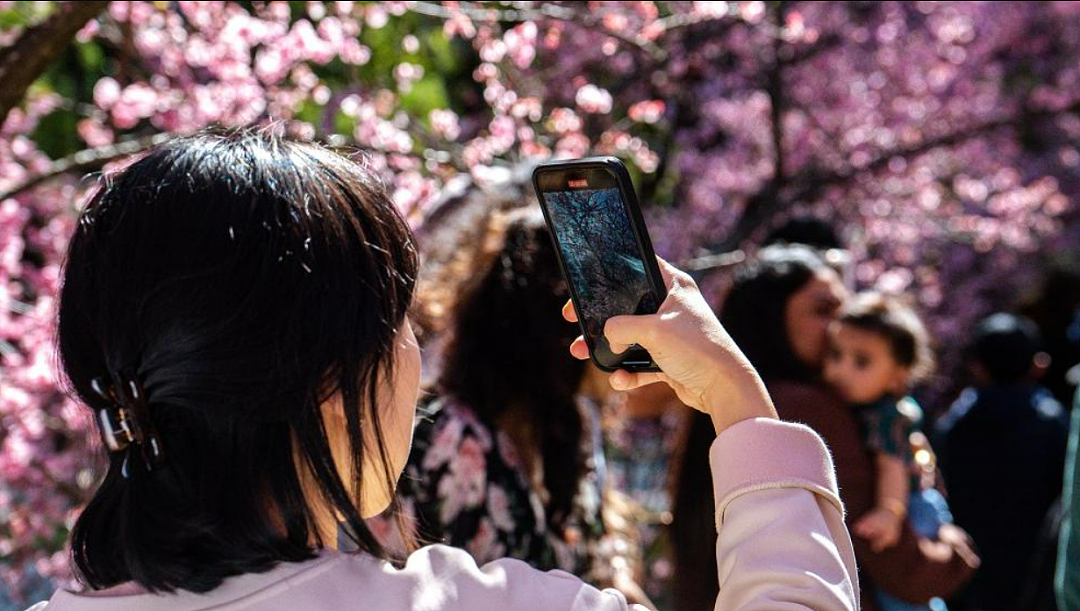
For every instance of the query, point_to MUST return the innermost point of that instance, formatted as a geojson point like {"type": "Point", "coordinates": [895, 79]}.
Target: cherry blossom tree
{"type": "Point", "coordinates": [939, 137]}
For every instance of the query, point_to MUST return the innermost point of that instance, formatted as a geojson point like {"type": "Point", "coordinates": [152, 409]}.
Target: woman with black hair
{"type": "Point", "coordinates": [778, 311]}
{"type": "Point", "coordinates": [234, 313]}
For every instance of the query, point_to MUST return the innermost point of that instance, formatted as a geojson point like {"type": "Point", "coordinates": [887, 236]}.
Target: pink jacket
{"type": "Point", "coordinates": [781, 546]}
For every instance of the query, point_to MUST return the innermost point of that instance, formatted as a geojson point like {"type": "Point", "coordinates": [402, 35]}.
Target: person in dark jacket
{"type": "Point", "coordinates": [1001, 449]}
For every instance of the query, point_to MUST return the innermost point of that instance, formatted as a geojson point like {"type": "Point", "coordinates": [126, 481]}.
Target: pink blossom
{"type": "Point", "coordinates": [614, 21]}
{"type": "Point", "coordinates": [572, 146]}
{"type": "Point", "coordinates": [459, 25]}
{"type": "Point", "coordinates": [711, 9]}
{"type": "Point", "coordinates": [137, 101]}
{"type": "Point", "coordinates": [94, 133]}
{"type": "Point", "coordinates": [564, 120]}
{"type": "Point", "coordinates": [593, 99]}
{"type": "Point", "coordinates": [444, 122]}
{"type": "Point", "coordinates": [270, 65]}
{"type": "Point", "coordinates": [943, 225]}
{"type": "Point", "coordinates": [352, 52]}
{"type": "Point", "coordinates": [520, 43]}
{"type": "Point", "coordinates": [106, 92]}
{"type": "Point", "coordinates": [87, 32]}
{"type": "Point", "coordinates": [377, 16]}
{"type": "Point", "coordinates": [503, 135]}
{"type": "Point", "coordinates": [406, 74]}
{"type": "Point", "coordinates": [648, 111]}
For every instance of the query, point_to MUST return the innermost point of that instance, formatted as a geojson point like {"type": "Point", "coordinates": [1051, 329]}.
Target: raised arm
{"type": "Point", "coordinates": [782, 543]}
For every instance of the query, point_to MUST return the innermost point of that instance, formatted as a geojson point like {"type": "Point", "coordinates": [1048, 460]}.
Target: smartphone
{"type": "Point", "coordinates": [603, 249]}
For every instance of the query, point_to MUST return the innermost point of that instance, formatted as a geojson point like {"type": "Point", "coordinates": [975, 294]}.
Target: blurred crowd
{"type": "Point", "coordinates": [522, 451]}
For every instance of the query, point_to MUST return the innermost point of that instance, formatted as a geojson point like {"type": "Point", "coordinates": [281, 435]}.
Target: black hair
{"type": "Point", "coordinates": [754, 314]}
{"type": "Point", "coordinates": [888, 317]}
{"type": "Point", "coordinates": [510, 349]}
{"type": "Point", "coordinates": [693, 513]}
{"type": "Point", "coordinates": [755, 310]}
{"type": "Point", "coordinates": [1006, 345]}
{"type": "Point", "coordinates": [245, 278]}
{"type": "Point", "coordinates": [809, 230]}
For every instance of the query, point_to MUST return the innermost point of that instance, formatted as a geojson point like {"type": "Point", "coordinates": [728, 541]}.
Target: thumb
{"type": "Point", "coordinates": [624, 331]}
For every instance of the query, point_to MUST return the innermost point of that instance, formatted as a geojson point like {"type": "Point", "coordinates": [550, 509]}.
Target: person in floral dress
{"type": "Point", "coordinates": [508, 457]}
{"type": "Point", "coordinates": [466, 485]}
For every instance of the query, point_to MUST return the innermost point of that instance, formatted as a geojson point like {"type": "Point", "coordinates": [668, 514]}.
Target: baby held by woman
{"type": "Point", "coordinates": [878, 350]}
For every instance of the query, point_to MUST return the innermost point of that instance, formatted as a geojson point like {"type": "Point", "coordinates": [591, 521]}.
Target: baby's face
{"type": "Point", "coordinates": [861, 366]}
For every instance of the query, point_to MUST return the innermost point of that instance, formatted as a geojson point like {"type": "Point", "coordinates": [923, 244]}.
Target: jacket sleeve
{"type": "Point", "coordinates": [781, 542]}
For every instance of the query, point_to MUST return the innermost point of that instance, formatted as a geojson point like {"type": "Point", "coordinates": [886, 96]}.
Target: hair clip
{"type": "Point", "coordinates": [125, 422]}
{"type": "Point", "coordinates": [116, 425]}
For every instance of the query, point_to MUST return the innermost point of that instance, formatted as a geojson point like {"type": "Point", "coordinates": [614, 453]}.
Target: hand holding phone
{"type": "Point", "coordinates": [696, 356]}
{"type": "Point", "coordinates": [603, 249]}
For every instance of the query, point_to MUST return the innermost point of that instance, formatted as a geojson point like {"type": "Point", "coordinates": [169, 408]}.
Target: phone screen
{"type": "Point", "coordinates": [602, 259]}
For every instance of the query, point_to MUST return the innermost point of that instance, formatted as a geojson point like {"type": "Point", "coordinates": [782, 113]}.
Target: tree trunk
{"type": "Point", "coordinates": [24, 60]}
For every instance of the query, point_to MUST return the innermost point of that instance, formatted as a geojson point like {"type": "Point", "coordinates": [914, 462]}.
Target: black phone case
{"type": "Point", "coordinates": [637, 225]}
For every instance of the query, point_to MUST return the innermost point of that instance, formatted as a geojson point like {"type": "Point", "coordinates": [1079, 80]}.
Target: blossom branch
{"type": "Point", "coordinates": [545, 11]}
{"type": "Point", "coordinates": [810, 182]}
{"type": "Point", "coordinates": [88, 160]}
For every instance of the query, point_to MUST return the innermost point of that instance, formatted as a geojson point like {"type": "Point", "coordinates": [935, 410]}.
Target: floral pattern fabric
{"type": "Point", "coordinates": [466, 486]}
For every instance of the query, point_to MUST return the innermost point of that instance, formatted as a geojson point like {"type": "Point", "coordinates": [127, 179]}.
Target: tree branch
{"type": "Point", "coordinates": [88, 160]}
{"type": "Point", "coordinates": [545, 11]}
{"type": "Point", "coordinates": [24, 60]}
{"type": "Point", "coordinates": [798, 56]}
{"type": "Point", "coordinates": [810, 182]}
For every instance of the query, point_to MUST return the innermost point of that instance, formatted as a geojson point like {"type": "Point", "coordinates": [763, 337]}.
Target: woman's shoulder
{"type": "Point", "coordinates": [435, 577]}
{"type": "Point", "coordinates": [443, 577]}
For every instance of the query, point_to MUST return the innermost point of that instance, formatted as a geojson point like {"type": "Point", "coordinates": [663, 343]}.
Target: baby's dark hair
{"type": "Point", "coordinates": [892, 319]}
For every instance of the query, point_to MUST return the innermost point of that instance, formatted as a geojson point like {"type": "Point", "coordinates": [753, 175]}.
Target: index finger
{"type": "Point", "coordinates": [672, 275]}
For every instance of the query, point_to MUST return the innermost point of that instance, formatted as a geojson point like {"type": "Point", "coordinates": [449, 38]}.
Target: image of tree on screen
{"type": "Point", "coordinates": [600, 254]}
